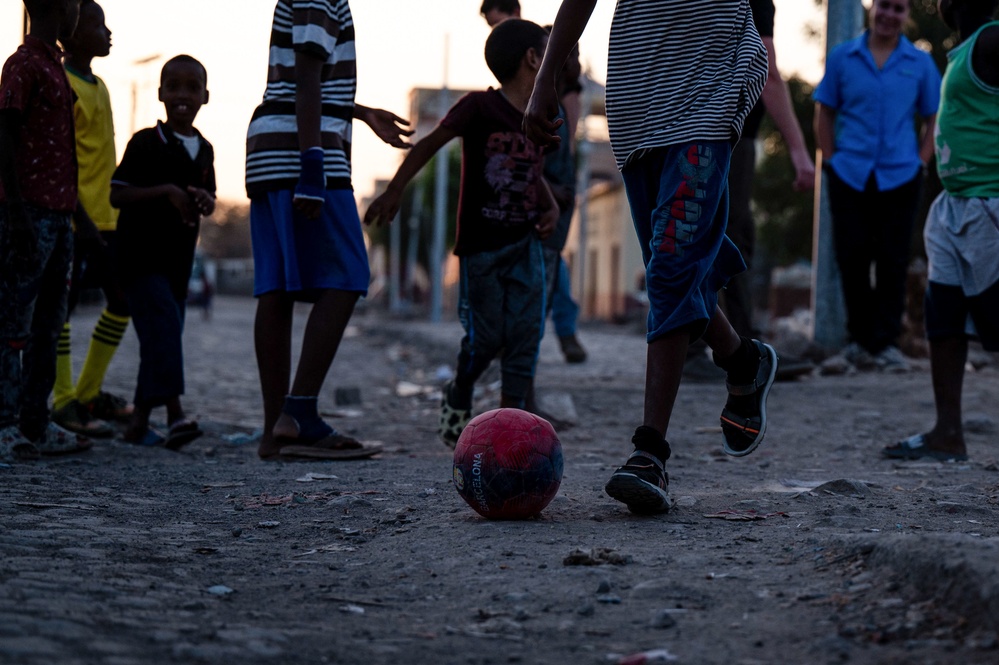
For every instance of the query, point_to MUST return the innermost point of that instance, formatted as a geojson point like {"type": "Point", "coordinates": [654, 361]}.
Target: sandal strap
{"type": "Point", "coordinates": [744, 389]}
{"type": "Point", "coordinates": [743, 423]}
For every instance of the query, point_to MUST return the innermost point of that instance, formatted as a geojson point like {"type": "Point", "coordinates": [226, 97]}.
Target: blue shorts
{"type": "Point", "coordinates": [679, 202]}
{"type": "Point", "coordinates": [303, 256]}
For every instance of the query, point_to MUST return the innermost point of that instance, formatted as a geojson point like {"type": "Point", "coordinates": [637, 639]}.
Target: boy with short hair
{"type": "Point", "coordinates": [84, 407]}
{"type": "Point", "coordinates": [681, 79]}
{"type": "Point", "coordinates": [307, 240]}
{"type": "Point", "coordinates": [163, 186]}
{"type": "Point", "coordinates": [506, 209]}
{"type": "Point", "coordinates": [495, 11]}
{"type": "Point", "coordinates": [37, 198]}
{"type": "Point", "coordinates": [962, 227]}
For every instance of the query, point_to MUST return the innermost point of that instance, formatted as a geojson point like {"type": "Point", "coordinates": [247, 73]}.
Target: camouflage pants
{"type": "Point", "coordinates": [32, 311]}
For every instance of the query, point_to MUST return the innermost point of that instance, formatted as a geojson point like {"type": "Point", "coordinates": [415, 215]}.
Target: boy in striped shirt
{"type": "Point", "coordinates": [307, 239]}
{"type": "Point", "coordinates": [681, 79]}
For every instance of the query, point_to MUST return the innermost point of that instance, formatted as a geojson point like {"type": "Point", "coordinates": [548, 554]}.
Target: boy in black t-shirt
{"type": "Point", "coordinates": [506, 209]}
{"type": "Point", "coordinates": [164, 184]}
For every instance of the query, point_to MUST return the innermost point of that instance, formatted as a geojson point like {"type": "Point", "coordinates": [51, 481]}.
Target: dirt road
{"type": "Point", "coordinates": [811, 550]}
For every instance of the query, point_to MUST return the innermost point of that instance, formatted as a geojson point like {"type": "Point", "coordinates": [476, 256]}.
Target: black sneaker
{"type": "Point", "coordinates": [572, 349]}
{"type": "Point", "coordinates": [744, 418]}
{"type": "Point", "coordinates": [642, 484]}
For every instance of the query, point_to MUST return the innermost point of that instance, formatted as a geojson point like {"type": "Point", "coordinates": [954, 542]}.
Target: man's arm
{"type": "Point", "coordinates": [19, 236]}
{"type": "Point", "coordinates": [542, 108]}
{"type": "Point", "coordinates": [777, 100]}
{"type": "Point", "coordinates": [825, 130]}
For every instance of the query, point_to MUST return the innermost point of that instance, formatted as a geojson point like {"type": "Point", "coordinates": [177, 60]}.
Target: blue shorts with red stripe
{"type": "Point", "coordinates": [679, 202]}
{"type": "Point", "coordinates": [305, 256]}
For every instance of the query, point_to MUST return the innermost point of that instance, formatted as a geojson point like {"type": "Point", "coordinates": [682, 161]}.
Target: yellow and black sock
{"type": "Point", "coordinates": [63, 392]}
{"type": "Point", "coordinates": [104, 342]}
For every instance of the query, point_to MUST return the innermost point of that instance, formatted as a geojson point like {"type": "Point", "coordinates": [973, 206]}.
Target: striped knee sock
{"type": "Point", "coordinates": [63, 392]}
{"type": "Point", "coordinates": [104, 342]}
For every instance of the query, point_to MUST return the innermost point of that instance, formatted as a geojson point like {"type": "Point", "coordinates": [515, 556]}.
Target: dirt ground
{"type": "Point", "coordinates": [811, 550]}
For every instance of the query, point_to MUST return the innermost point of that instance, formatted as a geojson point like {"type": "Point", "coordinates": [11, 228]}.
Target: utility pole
{"type": "Point", "coordinates": [844, 21]}
{"type": "Point", "coordinates": [440, 206]}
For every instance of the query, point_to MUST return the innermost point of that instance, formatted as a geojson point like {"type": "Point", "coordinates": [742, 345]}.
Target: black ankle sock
{"type": "Point", "coordinates": [649, 440]}
{"type": "Point", "coordinates": [742, 365]}
{"type": "Point", "coordinates": [458, 397]}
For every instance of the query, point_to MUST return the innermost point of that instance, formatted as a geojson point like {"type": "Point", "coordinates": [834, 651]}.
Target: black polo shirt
{"type": "Point", "coordinates": [152, 236]}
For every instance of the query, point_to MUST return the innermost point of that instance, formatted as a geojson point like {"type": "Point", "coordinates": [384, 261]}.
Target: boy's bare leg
{"type": "Point", "coordinates": [272, 340]}
{"type": "Point", "coordinates": [664, 367]}
{"type": "Point", "coordinates": [721, 336]}
{"type": "Point", "coordinates": [947, 359]}
{"type": "Point", "coordinates": [323, 333]}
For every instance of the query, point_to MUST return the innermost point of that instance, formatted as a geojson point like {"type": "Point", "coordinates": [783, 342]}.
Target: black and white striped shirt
{"type": "Point", "coordinates": [679, 71]}
{"type": "Point", "coordinates": [323, 28]}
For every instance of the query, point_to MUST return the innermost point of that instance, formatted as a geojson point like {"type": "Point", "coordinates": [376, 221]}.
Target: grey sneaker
{"type": "Point", "coordinates": [858, 356]}
{"type": "Point", "coordinates": [14, 447]}
{"type": "Point", "coordinates": [891, 359]}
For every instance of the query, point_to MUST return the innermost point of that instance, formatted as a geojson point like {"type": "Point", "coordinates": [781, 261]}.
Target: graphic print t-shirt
{"type": "Point", "coordinates": [501, 172]}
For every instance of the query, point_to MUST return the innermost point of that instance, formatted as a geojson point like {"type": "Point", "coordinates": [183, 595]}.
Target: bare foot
{"type": "Point", "coordinates": [268, 446]}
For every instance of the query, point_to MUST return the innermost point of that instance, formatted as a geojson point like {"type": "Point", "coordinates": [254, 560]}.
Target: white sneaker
{"type": "Point", "coordinates": [891, 359]}
{"type": "Point", "coordinates": [858, 356]}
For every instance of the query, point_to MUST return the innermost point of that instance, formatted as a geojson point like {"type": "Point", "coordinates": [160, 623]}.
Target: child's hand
{"type": "Point", "coordinates": [546, 223]}
{"type": "Point", "coordinates": [183, 202]}
{"type": "Point", "coordinates": [538, 123]}
{"type": "Point", "coordinates": [203, 200]}
{"type": "Point", "coordinates": [383, 210]}
{"type": "Point", "coordinates": [388, 127]}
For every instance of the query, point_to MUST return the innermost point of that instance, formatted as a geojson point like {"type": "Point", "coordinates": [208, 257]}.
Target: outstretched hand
{"type": "Point", "coordinates": [389, 127]}
{"type": "Point", "coordinates": [382, 210]}
{"type": "Point", "coordinates": [540, 118]}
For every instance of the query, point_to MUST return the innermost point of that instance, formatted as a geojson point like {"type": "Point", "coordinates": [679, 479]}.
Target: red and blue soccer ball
{"type": "Point", "coordinates": [508, 464]}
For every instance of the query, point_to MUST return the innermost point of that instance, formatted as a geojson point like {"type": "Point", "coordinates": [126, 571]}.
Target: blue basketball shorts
{"type": "Point", "coordinates": [303, 256]}
{"type": "Point", "coordinates": [679, 203]}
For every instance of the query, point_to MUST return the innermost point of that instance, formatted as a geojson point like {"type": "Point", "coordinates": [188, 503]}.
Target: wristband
{"type": "Point", "coordinates": [312, 178]}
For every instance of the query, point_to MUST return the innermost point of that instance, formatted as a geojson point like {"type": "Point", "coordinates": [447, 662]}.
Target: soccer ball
{"type": "Point", "coordinates": [508, 464]}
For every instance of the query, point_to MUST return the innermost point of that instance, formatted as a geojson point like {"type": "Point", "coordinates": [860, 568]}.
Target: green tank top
{"type": "Point", "coordinates": [967, 133]}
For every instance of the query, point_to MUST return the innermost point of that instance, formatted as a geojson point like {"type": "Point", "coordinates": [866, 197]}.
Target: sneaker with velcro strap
{"type": "Point", "coordinates": [642, 484]}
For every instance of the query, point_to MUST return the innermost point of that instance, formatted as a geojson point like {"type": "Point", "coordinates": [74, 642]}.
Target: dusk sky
{"type": "Point", "coordinates": [400, 45]}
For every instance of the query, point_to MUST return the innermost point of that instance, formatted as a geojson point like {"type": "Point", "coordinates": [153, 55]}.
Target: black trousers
{"type": "Point", "coordinates": [873, 228]}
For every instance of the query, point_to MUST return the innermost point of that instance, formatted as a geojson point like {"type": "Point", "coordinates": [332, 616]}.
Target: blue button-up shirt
{"type": "Point", "coordinates": [876, 109]}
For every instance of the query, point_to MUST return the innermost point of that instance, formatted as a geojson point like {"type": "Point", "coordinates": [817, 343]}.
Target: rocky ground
{"type": "Point", "coordinates": [811, 550]}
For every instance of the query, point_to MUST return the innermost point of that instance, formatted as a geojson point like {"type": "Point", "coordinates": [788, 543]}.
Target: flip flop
{"type": "Point", "coordinates": [333, 447]}
{"type": "Point", "coordinates": [14, 447]}
{"type": "Point", "coordinates": [151, 438]}
{"type": "Point", "coordinates": [915, 448]}
{"type": "Point", "coordinates": [182, 433]}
